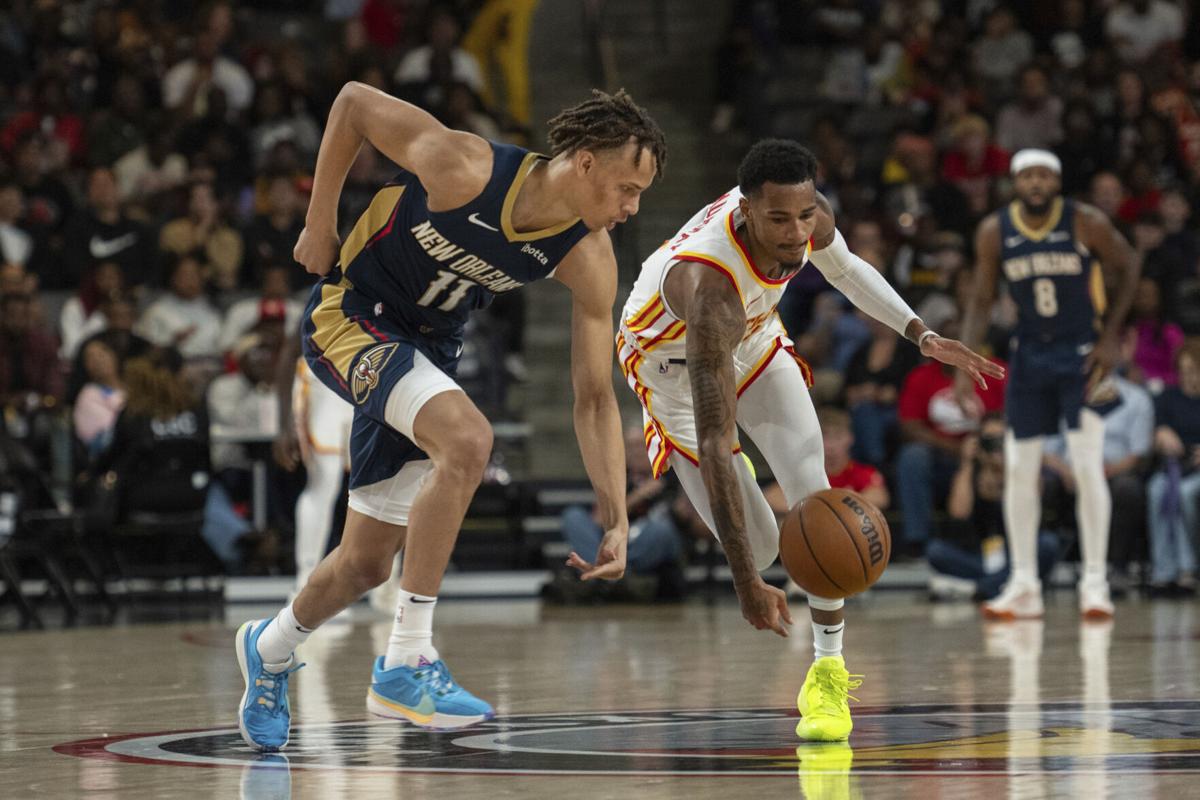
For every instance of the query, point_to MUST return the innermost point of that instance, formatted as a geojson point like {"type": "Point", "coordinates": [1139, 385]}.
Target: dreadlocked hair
{"type": "Point", "coordinates": [607, 122]}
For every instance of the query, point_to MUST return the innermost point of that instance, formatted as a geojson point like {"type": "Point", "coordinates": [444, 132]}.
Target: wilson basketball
{"type": "Point", "coordinates": [834, 543]}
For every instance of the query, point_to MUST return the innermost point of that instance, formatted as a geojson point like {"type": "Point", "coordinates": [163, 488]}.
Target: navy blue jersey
{"type": "Point", "coordinates": [431, 269]}
{"type": "Point", "coordinates": [406, 280]}
{"type": "Point", "coordinates": [1057, 286]}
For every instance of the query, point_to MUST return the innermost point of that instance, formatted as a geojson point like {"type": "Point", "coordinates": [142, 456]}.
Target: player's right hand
{"type": "Point", "coordinates": [286, 449]}
{"type": "Point", "coordinates": [765, 607]}
{"type": "Point", "coordinates": [316, 250]}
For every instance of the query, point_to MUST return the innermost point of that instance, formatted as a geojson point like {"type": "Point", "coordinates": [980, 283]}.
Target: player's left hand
{"type": "Point", "coordinates": [1101, 361]}
{"type": "Point", "coordinates": [957, 354]}
{"type": "Point", "coordinates": [610, 557]}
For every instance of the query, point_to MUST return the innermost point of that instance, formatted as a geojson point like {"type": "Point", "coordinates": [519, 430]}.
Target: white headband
{"type": "Point", "coordinates": [1031, 157]}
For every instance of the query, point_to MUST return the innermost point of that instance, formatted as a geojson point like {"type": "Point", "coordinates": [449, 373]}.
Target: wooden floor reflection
{"type": "Point", "coordinates": [627, 702]}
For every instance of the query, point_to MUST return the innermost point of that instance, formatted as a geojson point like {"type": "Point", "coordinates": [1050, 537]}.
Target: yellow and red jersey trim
{"type": "Point", "coordinates": [659, 443]}
{"type": "Point", "coordinates": [709, 261]}
{"type": "Point", "coordinates": [776, 346]}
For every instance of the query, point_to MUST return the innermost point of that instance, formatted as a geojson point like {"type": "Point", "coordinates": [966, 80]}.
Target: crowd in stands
{"type": "Point", "coordinates": [155, 162]}
{"type": "Point", "coordinates": [914, 108]}
{"type": "Point", "coordinates": [155, 159]}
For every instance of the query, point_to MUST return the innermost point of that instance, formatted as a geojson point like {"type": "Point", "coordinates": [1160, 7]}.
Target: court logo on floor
{"type": "Point", "coordinates": [988, 739]}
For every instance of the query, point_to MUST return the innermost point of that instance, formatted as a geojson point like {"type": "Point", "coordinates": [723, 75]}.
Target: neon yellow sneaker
{"type": "Point", "coordinates": [824, 710]}
{"type": "Point", "coordinates": [824, 771]}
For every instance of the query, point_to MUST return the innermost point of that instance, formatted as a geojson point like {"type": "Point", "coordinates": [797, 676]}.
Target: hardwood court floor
{"type": "Point", "coordinates": [626, 702]}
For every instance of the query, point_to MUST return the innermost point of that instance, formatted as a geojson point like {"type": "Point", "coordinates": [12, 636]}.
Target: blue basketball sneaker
{"type": "Point", "coordinates": [425, 695]}
{"type": "Point", "coordinates": [263, 716]}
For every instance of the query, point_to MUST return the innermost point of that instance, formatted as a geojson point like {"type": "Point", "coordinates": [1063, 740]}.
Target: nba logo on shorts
{"type": "Point", "coordinates": [365, 375]}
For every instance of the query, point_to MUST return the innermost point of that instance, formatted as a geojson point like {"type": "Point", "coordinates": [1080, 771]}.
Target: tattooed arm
{"type": "Point", "coordinates": [716, 322]}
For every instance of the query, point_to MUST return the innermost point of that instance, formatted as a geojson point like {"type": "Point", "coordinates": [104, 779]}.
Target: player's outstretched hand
{"type": "Point", "coordinates": [765, 607]}
{"type": "Point", "coordinates": [317, 251]}
{"type": "Point", "coordinates": [610, 558]}
{"type": "Point", "coordinates": [957, 354]}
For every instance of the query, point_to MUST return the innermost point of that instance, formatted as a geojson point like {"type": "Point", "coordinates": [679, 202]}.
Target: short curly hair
{"type": "Point", "coordinates": [776, 161]}
{"type": "Point", "coordinates": [607, 122]}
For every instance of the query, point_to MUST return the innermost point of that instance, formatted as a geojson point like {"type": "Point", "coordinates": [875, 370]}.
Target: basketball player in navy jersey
{"type": "Point", "coordinates": [1046, 247]}
{"type": "Point", "coordinates": [464, 220]}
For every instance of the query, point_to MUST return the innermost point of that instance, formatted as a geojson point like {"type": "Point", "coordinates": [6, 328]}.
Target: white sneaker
{"type": "Point", "coordinates": [1094, 600]}
{"type": "Point", "coordinates": [1017, 601]}
{"type": "Point", "coordinates": [949, 588]}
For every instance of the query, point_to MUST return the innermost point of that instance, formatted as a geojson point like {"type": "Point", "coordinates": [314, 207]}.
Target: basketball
{"type": "Point", "coordinates": [834, 543]}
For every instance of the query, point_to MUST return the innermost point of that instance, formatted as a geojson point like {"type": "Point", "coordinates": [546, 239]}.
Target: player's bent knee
{"type": "Point", "coordinates": [465, 452]}
{"type": "Point", "coordinates": [366, 568]}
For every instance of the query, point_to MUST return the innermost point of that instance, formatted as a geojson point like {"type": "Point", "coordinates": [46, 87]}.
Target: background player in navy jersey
{"type": "Point", "coordinates": [464, 220]}
{"type": "Point", "coordinates": [1047, 247]}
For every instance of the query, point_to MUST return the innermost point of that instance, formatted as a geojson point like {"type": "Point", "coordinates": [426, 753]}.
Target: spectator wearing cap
{"type": "Point", "coordinates": [974, 162]}
{"type": "Point", "coordinates": [183, 318]}
{"type": "Point", "coordinates": [271, 307]}
{"type": "Point", "coordinates": [203, 229]}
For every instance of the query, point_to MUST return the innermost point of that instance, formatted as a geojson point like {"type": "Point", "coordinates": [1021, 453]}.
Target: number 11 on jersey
{"type": "Point", "coordinates": [440, 284]}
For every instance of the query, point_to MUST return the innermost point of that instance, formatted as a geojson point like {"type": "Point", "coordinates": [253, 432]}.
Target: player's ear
{"type": "Point", "coordinates": [585, 161]}
{"type": "Point", "coordinates": [744, 206]}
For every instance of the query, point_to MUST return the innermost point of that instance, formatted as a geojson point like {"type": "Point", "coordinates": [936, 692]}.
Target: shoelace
{"type": "Point", "coordinates": [270, 688]}
{"type": "Point", "coordinates": [833, 686]}
{"type": "Point", "coordinates": [439, 676]}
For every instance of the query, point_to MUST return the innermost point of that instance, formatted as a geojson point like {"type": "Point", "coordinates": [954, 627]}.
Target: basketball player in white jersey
{"type": "Point", "coordinates": [703, 349]}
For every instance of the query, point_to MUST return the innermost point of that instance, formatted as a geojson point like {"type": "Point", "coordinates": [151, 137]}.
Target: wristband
{"type": "Point", "coordinates": [925, 335]}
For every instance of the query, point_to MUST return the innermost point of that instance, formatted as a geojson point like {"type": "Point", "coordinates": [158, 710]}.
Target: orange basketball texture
{"type": "Point", "coordinates": [834, 543]}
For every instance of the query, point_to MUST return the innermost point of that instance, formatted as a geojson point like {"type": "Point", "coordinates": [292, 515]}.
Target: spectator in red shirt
{"type": "Point", "coordinates": [932, 425]}
{"type": "Point", "coordinates": [843, 471]}
{"type": "Point", "coordinates": [974, 162]}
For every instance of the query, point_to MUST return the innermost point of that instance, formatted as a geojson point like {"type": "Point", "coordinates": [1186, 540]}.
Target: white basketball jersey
{"type": "Point", "coordinates": [709, 238]}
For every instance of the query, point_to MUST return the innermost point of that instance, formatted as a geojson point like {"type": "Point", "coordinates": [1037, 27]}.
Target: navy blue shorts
{"type": "Point", "coordinates": [360, 353]}
{"type": "Point", "coordinates": [1046, 385]}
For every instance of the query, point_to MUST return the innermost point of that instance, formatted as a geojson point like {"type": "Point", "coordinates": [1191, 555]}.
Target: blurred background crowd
{"type": "Point", "coordinates": [155, 159]}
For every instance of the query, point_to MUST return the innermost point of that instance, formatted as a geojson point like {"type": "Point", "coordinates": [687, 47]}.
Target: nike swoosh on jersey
{"type": "Point", "coordinates": [107, 248]}
{"type": "Point", "coordinates": [1013, 241]}
{"type": "Point", "coordinates": [476, 220]}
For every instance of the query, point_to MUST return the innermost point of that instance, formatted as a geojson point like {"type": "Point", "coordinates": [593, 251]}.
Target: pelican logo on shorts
{"type": "Point", "coordinates": [365, 375]}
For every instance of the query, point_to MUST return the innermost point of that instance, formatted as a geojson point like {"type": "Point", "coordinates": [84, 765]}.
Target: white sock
{"type": "Point", "coordinates": [1022, 505]}
{"type": "Point", "coordinates": [1093, 507]}
{"type": "Point", "coordinates": [827, 639]}
{"type": "Point", "coordinates": [412, 632]}
{"type": "Point", "coordinates": [283, 635]}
